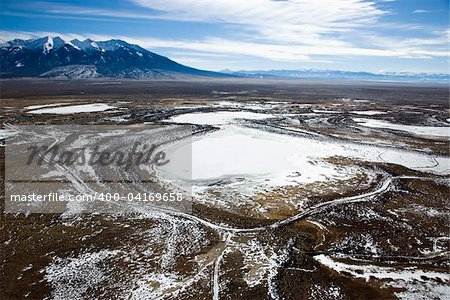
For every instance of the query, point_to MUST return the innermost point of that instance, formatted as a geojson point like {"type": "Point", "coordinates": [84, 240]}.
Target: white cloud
{"type": "Point", "coordinates": [299, 21]}
{"type": "Point", "coordinates": [279, 31]}
{"type": "Point", "coordinates": [290, 21]}
{"type": "Point", "coordinates": [421, 11]}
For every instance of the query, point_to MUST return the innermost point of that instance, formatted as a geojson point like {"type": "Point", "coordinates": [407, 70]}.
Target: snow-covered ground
{"type": "Point", "coordinates": [270, 159]}
{"type": "Point", "coordinates": [4, 133]}
{"type": "Point", "coordinates": [321, 111]}
{"type": "Point", "coordinates": [72, 277]}
{"type": "Point", "coordinates": [368, 112]}
{"type": "Point", "coordinates": [72, 109]}
{"type": "Point", "coordinates": [217, 118]}
{"type": "Point", "coordinates": [416, 130]}
{"type": "Point", "coordinates": [368, 271]}
{"type": "Point", "coordinates": [421, 284]}
{"type": "Point", "coordinates": [33, 107]}
{"type": "Point", "coordinates": [246, 105]}
{"type": "Point", "coordinates": [258, 159]}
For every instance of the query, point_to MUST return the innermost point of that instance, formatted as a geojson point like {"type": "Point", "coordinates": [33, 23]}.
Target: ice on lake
{"type": "Point", "coordinates": [73, 109]}
{"type": "Point", "coordinates": [427, 131]}
{"type": "Point", "coordinates": [217, 118]}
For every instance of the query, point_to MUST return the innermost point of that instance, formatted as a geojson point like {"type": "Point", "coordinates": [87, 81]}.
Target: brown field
{"type": "Point", "coordinates": [169, 256]}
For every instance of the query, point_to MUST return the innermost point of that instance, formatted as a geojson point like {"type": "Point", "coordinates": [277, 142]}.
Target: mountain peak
{"type": "Point", "coordinates": [44, 44]}
{"type": "Point", "coordinates": [114, 44]}
{"type": "Point", "coordinates": [53, 57]}
{"type": "Point", "coordinates": [86, 45]}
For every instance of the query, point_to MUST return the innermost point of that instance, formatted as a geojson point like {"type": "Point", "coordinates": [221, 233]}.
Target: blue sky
{"type": "Point", "coordinates": [354, 35]}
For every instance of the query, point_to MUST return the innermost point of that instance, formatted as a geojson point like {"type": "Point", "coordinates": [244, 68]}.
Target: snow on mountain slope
{"type": "Point", "coordinates": [48, 45]}
{"type": "Point", "coordinates": [72, 72]}
{"type": "Point", "coordinates": [54, 57]}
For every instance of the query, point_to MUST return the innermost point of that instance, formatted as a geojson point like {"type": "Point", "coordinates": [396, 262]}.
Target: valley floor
{"type": "Point", "coordinates": [297, 190]}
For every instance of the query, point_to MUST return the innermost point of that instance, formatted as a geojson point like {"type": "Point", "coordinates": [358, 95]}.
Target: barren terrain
{"type": "Point", "coordinates": [298, 190]}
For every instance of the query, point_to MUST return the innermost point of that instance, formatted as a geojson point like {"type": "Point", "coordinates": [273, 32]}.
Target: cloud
{"type": "Point", "coordinates": [24, 35]}
{"type": "Point", "coordinates": [279, 31]}
{"type": "Point", "coordinates": [435, 45]}
{"type": "Point", "coordinates": [299, 21]}
{"type": "Point", "coordinates": [293, 21]}
{"type": "Point", "coordinates": [421, 11]}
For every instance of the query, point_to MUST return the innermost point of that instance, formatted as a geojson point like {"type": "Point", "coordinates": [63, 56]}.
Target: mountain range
{"type": "Point", "coordinates": [344, 75]}
{"type": "Point", "coordinates": [53, 57]}
{"type": "Point", "coordinates": [56, 58]}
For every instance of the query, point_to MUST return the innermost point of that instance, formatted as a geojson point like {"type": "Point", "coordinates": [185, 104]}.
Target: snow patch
{"type": "Point", "coordinates": [71, 278]}
{"type": "Point", "coordinates": [32, 107]}
{"type": "Point", "coordinates": [269, 159]}
{"type": "Point", "coordinates": [326, 111]}
{"type": "Point", "coordinates": [73, 109]}
{"type": "Point", "coordinates": [154, 285]}
{"type": "Point", "coordinates": [426, 131]}
{"type": "Point", "coordinates": [48, 46]}
{"type": "Point", "coordinates": [368, 112]}
{"type": "Point", "coordinates": [4, 133]}
{"type": "Point", "coordinates": [217, 118]}
{"type": "Point", "coordinates": [371, 271]}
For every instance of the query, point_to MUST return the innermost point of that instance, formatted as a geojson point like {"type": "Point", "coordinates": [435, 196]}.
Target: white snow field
{"type": "Point", "coordinates": [217, 118]}
{"type": "Point", "coordinates": [427, 131]}
{"type": "Point", "coordinates": [434, 285]}
{"type": "Point", "coordinates": [273, 159]}
{"type": "Point", "coordinates": [73, 109]}
{"type": "Point", "coordinates": [368, 112]}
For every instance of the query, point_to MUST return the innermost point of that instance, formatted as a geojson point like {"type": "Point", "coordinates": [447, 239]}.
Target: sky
{"type": "Point", "coordinates": [352, 35]}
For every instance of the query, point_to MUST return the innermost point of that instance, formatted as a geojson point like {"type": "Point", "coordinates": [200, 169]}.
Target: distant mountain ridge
{"type": "Point", "coordinates": [53, 57]}
{"type": "Point", "coordinates": [346, 75]}
{"type": "Point", "coordinates": [56, 58]}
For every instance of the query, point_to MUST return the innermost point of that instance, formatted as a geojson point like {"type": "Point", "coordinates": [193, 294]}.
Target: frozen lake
{"type": "Point", "coordinates": [427, 131]}
{"type": "Point", "coordinates": [71, 109]}
{"type": "Point", "coordinates": [217, 118]}
{"type": "Point", "coordinates": [273, 159]}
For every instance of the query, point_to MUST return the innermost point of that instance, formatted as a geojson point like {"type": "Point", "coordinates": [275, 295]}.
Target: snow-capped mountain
{"type": "Point", "coordinates": [55, 57]}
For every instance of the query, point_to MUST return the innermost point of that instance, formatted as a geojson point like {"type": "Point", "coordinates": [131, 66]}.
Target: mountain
{"type": "Point", "coordinates": [56, 58]}
{"type": "Point", "coordinates": [345, 75]}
